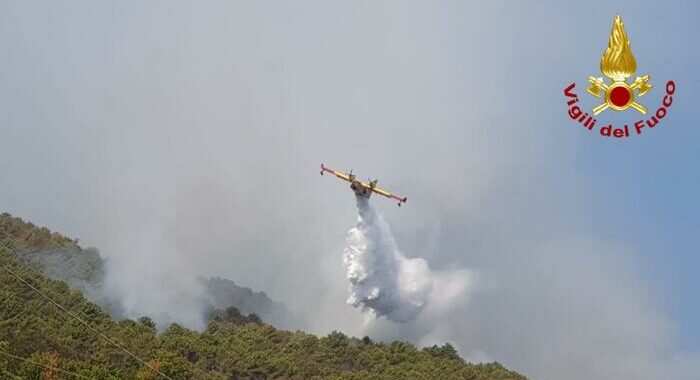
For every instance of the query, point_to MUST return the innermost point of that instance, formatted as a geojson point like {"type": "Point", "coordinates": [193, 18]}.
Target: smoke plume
{"type": "Point", "coordinates": [383, 280]}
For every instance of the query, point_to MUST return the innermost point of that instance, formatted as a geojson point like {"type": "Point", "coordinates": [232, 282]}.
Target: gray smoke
{"type": "Point", "coordinates": [166, 292]}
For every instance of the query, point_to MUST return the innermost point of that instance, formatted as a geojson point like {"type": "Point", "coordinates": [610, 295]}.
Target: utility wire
{"type": "Point", "coordinates": [77, 318]}
{"type": "Point", "coordinates": [43, 365]}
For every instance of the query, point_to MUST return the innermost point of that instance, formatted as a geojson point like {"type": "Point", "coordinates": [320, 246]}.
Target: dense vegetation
{"type": "Point", "coordinates": [233, 346]}
{"type": "Point", "coordinates": [60, 258]}
{"type": "Point", "coordinates": [225, 293]}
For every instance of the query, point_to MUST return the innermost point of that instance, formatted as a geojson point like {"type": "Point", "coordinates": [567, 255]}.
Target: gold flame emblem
{"type": "Point", "coordinates": [618, 64]}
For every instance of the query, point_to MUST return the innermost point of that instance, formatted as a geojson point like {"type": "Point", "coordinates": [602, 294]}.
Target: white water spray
{"type": "Point", "coordinates": [382, 279]}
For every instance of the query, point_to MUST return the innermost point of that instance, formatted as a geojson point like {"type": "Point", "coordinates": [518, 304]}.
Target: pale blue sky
{"type": "Point", "coordinates": [648, 187]}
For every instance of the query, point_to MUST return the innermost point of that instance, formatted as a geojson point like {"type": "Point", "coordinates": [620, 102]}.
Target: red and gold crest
{"type": "Point", "coordinates": [618, 64]}
{"type": "Point", "coordinates": [619, 94]}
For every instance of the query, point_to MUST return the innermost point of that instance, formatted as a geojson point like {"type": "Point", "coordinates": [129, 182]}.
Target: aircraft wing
{"type": "Point", "coordinates": [351, 178]}
{"type": "Point", "coordinates": [341, 175]}
{"type": "Point", "coordinates": [390, 195]}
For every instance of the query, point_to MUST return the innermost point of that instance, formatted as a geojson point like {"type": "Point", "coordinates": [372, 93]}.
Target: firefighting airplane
{"type": "Point", "coordinates": [362, 189]}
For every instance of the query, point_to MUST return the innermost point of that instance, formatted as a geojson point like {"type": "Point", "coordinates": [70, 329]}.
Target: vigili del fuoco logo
{"type": "Point", "coordinates": [618, 64]}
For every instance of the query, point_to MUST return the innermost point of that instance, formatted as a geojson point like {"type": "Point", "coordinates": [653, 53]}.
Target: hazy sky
{"type": "Point", "coordinates": [185, 138]}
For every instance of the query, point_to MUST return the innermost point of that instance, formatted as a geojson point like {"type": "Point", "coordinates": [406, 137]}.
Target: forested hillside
{"type": "Point", "coordinates": [38, 340]}
{"type": "Point", "coordinates": [225, 293]}
{"type": "Point", "coordinates": [60, 258]}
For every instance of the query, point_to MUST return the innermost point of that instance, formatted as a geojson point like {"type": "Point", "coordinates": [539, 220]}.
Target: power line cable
{"type": "Point", "coordinates": [77, 318]}
{"type": "Point", "coordinates": [43, 365]}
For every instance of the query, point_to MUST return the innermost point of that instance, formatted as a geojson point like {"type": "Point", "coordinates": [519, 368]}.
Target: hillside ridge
{"type": "Point", "coordinates": [233, 345]}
